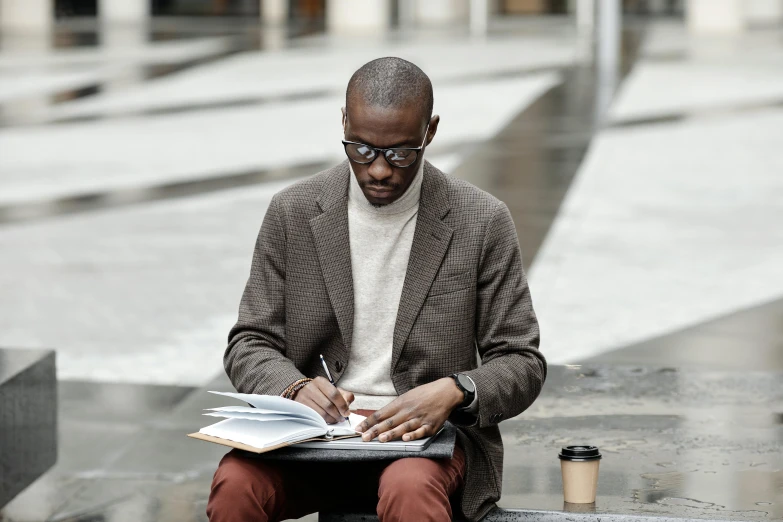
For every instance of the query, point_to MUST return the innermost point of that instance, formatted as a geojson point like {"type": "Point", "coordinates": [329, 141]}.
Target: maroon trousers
{"type": "Point", "coordinates": [248, 489]}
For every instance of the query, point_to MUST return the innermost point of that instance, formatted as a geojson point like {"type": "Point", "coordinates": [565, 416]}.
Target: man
{"type": "Point", "coordinates": [400, 276]}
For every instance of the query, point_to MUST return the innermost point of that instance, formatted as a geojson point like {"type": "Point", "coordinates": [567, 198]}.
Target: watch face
{"type": "Point", "coordinates": [466, 383]}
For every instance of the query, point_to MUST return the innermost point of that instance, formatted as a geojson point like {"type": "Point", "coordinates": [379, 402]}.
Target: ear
{"type": "Point", "coordinates": [434, 121]}
{"type": "Point", "coordinates": [344, 117]}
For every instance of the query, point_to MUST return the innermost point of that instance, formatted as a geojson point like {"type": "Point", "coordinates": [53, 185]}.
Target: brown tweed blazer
{"type": "Point", "coordinates": [465, 292]}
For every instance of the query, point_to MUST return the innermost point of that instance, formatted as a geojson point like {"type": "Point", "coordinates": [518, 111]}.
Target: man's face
{"type": "Point", "coordinates": [386, 128]}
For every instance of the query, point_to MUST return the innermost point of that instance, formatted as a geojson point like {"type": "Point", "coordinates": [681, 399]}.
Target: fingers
{"type": "Point", "coordinates": [398, 432]}
{"type": "Point", "coordinates": [323, 413]}
{"type": "Point", "coordinates": [370, 422]}
{"type": "Point", "coordinates": [312, 396]}
{"type": "Point", "coordinates": [333, 415]}
{"type": "Point", "coordinates": [330, 402]}
{"type": "Point", "coordinates": [420, 433]}
{"type": "Point", "coordinates": [348, 396]}
{"type": "Point", "coordinates": [315, 400]}
{"type": "Point", "coordinates": [384, 427]}
{"type": "Point", "coordinates": [337, 402]}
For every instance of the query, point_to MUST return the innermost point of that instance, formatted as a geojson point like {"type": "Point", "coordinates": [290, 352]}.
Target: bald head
{"type": "Point", "coordinates": [391, 83]}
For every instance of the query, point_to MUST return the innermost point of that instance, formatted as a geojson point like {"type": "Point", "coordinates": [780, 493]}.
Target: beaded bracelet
{"type": "Point", "coordinates": [290, 387]}
{"type": "Point", "coordinates": [298, 387]}
{"type": "Point", "coordinates": [288, 393]}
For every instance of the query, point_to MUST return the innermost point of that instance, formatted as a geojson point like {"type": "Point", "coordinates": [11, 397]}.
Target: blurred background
{"type": "Point", "coordinates": [637, 144]}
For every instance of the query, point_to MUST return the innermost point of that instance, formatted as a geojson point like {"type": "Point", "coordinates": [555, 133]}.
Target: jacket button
{"type": "Point", "coordinates": [338, 366]}
{"type": "Point", "coordinates": [495, 418]}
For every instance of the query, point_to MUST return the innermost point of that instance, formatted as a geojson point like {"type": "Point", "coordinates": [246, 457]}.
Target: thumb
{"type": "Point", "coordinates": [348, 396]}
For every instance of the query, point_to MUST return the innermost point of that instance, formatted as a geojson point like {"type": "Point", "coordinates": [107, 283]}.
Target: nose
{"type": "Point", "coordinates": [380, 169]}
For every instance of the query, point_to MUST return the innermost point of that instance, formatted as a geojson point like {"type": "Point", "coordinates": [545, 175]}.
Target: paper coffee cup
{"type": "Point", "coordinates": [579, 465]}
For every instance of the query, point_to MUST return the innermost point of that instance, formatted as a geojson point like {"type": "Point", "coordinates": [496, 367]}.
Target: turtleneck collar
{"type": "Point", "coordinates": [408, 200]}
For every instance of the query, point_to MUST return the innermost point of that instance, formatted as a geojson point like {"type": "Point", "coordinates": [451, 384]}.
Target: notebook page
{"type": "Point", "coordinates": [246, 408]}
{"type": "Point", "coordinates": [264, 418]}
{"type": "Point", "coordinates": [346, 427]}
{"type": "Point", "coordinates": [257, 412]}
{"type": "Point", "coordinates": [261, 434]}
{"type": "Point", "coordinates": [274, 402]}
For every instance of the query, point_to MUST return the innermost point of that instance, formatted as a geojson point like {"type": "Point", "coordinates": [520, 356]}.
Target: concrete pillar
{"type": "Point", "coordinates": [479, 17]}
{"type": "Point", "coordinates": [585, 15]}
{"type": "Point", "coordinates": [272, 38]}
{"type": "Point", "coordinates": [126, 12]}
{"type": "Point", "coordinates": [764, 12]}
{"type": "Point", "coordinates": [353, 16]}
{"type": "Point", "coordinates": [26, 27]}
{"type": "Point", "coordinates": [607, 53]}
{"type": "Point", "coordinates": [26, 16]}
{"type": "Point", "coordinates": [608, 34]}
{"type": "Point", "coordinates": [407, 13]}
{"type": "Point", "coordinates": [715, 16]}
{"type": "Point", "coordinates": [441, 12]}
{"type": "Point", "coordinates": [274, 12]}
{"type": "Point", "coordinates": [120, 37]}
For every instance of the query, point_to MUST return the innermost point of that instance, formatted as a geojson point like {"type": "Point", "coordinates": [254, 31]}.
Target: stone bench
{"type": "Point", "coordinates": [572, 514]}
{"type": "Point", "coordinates": [28, 418]}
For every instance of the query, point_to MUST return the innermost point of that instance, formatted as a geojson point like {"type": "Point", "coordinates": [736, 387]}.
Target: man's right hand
{"type": "Point", "coordinates": [331, 402]}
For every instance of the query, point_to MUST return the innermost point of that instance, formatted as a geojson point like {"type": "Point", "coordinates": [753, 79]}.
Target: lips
{"type": "Point", "coordinates": [379, 193]}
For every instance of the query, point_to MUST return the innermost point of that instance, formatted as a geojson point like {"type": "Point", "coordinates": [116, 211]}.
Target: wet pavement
{"type": "Point", "coordinates": [532, 161]}
{"type": "Point", "coordinates": [701, 443]}
{"type": "Point", "coordinates": [676, 443]}
{"type": "Point", "coordinates": [748, 340]}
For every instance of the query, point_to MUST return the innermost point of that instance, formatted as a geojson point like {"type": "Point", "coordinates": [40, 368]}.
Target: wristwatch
{"type": "Point", "coordinates": [466, 386]}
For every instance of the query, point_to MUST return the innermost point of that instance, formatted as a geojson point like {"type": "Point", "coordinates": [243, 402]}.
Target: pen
{"type": "Point", "coordinates": [329, 375]}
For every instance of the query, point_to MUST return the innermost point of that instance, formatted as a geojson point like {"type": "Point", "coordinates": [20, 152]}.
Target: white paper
{"type": "Point", "coordinates": [273, 420]}
{"type": "Point", "coordinates": [261, 434]}
{"type": "Point", "coordinates": [264, 418]}
{"type": "Point", "coordinates": [276, 403]}
{"type": "Point", "coordinates": [346, 427]}
{"type": "Point", "coordinates": [246, 409]}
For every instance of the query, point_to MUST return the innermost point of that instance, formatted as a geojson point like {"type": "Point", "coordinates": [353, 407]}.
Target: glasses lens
{"type": "Point", "coordinates": [360, 153]}
{"type": "Point", "coordinates": [401, 157]}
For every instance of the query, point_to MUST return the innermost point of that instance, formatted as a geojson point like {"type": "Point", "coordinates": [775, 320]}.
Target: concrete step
{"type": "Point", "coordinates": [28, 418]}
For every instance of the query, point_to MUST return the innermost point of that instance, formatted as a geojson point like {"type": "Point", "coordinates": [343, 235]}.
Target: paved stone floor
{"type": "Point", "coordinates": [649, 230]}
{"type": "Point", "coordinates": [683, 443]}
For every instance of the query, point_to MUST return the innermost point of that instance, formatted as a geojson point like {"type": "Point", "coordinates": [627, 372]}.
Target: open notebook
{"type": "Point", "coordinates": [271, 422]}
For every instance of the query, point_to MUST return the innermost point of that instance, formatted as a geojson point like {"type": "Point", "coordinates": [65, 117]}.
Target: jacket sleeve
{"type": "Point", "coordinates": [512, 370]}
{"type": "Point", "coordinates": [255, 359]}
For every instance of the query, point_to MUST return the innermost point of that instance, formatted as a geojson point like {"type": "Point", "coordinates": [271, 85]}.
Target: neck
{"type": "Point", "coordinates": [406, 201]}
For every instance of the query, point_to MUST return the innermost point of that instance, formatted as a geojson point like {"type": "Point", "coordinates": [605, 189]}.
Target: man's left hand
{"type": "Point", "coordinates": [419, 413]}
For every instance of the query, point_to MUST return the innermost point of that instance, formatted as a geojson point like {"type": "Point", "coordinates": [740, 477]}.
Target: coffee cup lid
{"type": "Point", "coordinates": [579, 453]}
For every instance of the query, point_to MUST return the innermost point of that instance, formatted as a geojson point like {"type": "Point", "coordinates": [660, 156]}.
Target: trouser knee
{"type": "Point", "coordinates": [243, 489]}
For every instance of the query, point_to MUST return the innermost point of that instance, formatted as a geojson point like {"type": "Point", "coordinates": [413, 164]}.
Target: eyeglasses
{"type": "Point", "coordinates": [363, 154]}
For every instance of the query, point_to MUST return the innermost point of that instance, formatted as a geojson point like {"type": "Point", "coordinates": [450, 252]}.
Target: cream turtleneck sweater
{"type": "Point", "coordinates": [380, 239]}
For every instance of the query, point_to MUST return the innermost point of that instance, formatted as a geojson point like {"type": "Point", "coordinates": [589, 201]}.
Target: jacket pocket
{"type": "Point", "coordinates": [451, 284]}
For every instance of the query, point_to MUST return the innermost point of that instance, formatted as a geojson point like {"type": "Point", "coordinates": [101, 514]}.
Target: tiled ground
{"type": "Point", "coordinates": [141, 151]}
{"type": "Point", "coordinates": [660, 231]}
{"type": "Point", "coordinates": [748, 340]}
{"type": "Point", "coordinates": [680, 443]}
{"type": "Point", "coordinates": [666, 226]}
{"type": "Point", "coordinates": [669, 220]}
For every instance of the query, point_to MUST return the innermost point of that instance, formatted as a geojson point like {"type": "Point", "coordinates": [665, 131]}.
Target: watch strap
{"type": "Point", "coordinates": [467, 397]}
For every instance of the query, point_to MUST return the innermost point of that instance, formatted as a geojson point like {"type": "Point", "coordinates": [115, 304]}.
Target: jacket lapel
{"type": "Point", "coordinates": [430, 242]}
{"type": "Point", "coordinates": [330, 233]}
